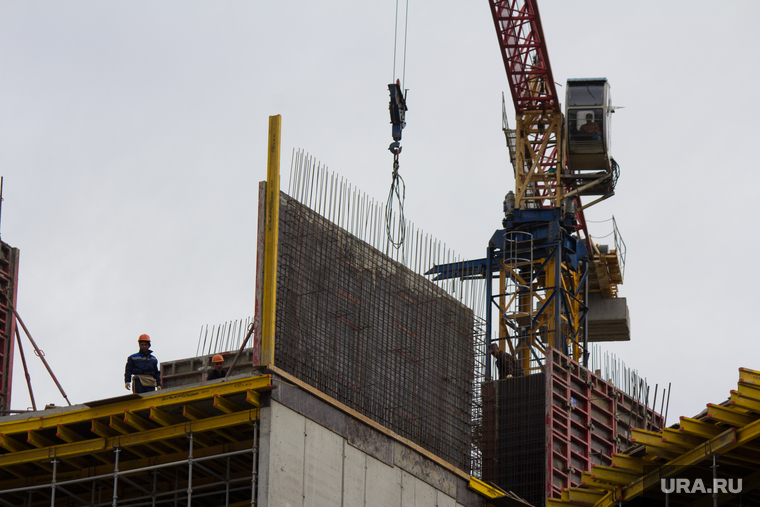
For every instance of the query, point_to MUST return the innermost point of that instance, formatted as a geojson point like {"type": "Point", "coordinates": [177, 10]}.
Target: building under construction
{"type": "Point", "coordinates": [365, 376]}
{"type": "Point", "coordinates": [370, 397]}
{"type": "Point", "coordinates": [367, 384]}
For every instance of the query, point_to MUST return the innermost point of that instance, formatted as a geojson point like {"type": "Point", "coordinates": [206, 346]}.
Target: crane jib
{"type": "Point", "coordinates": [526, 60]}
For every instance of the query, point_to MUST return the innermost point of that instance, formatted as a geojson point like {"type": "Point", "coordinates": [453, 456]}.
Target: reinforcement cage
{"type": "Point", "coordinates": [375, 335]}
{"type": "Point", "coordinates": [542, 431]}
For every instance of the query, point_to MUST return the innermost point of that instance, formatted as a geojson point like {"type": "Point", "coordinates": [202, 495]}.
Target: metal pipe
{"type": "Point", "coordinates": [131, 471]}
{"type": "Point", "coordinates": [176, 485]}
{"type": "Point", "coordinates": [69, 493]}
{"type": "Point", "coordinates": [227, 485]}
{"type": "Point", "coordinates": [240, 350]}
{"type": "Point", "coordinates": [667, 405]}
{"type": "Point", "coordinates": [155, 485]}
{"type": "Point", "coordinates": [145, 500]}
{"type": "Point", "coordinates": [37, 351]}
{"type": "Point", "coordinates": [116, 476]}
{"type": "Point", "coordinates": [715, 477]}
{"type": "Point", "coordinates": [190, 473]}
{"type": "Point", "coordinates": [26, 370]}
{"type": "Point", "coordinates": [52, 482]}
{"type": "Point", "coordinates": [489, 311]}
{"type": "Point", "coordinates": [254, 461]}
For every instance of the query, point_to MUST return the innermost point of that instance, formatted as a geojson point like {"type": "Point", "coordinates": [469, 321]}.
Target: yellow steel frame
{"type": "Point", "coordinates": [156, 400]}
{"type": "Point", "coordinates": [118, 425]}
{"type": "Point", "coordinates": [269, 304]}
{"type": "Point", "coordinates": [140, 438]}
{"type": "Point", "coordinates": [514, 307]}
{"type": "Point", "coordinates": [538, 139]}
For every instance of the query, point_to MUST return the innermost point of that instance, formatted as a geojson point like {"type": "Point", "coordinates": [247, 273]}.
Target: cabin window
{"type": "Point", "coordinates": [585, 94]}
{"type": "Point", "coordinates": [586, 130]}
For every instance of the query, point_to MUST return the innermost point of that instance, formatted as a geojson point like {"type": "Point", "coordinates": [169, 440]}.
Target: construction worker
{"type": "Point", "coordinates": [142, 369]}
{"type": "Point", "coordinates": [505, 363]}
{"type": "Point", "coordinates": [591, 127]}
{"type": "Point", "coordinates": [218, 372]}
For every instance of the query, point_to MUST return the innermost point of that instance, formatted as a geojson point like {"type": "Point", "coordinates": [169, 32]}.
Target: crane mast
{"type": "Point", "coordinates": [538, 143]}
{"type": "Point", "coordinates": [543, 267]}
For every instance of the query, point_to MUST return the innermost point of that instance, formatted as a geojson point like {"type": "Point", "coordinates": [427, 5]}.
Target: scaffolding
{"type": "Point", "coordinates": [196, 446]}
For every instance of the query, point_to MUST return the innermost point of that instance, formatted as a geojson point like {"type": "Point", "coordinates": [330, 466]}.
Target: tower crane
{"type": "Point", "coordinates": [545, 263]}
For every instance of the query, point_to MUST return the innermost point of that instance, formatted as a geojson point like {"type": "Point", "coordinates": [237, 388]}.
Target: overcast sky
{"type": "Point", "coordinates": [133, 136]}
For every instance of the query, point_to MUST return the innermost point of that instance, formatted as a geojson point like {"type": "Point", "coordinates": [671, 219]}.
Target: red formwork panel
{"type": "Point", "coordinates": [540, 432]}
{"type": "Point", "coordinates": [9, 286]}
{"type": "Point", "coordinates": [588, 420]}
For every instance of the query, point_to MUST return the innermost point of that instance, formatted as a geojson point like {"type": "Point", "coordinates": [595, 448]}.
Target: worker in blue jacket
{"type": "Point", "coordinates": [142, 369]}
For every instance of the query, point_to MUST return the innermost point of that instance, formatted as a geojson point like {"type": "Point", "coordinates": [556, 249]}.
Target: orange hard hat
{"type": "Point", "coordinates": [144, 338]}
{"type": "Point", "coordinates": [217, 359]}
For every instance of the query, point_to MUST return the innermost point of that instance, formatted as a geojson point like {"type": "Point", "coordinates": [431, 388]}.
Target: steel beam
{"type": "Point", "coordinates": [699, 428]}
{"type": "Point", "coordinates": [629, 463]}
{"type": "Point", "coordinates": [225, 405]}
{"type": "Point", "coordinates": [612, 475]}
{"type": "Point", "coordinates": [749, 376]}
{"type": "Point", "coordinates": [129, 440]}
{"type": "Point", "coordinates": [145, 402]}
{"type": "Point", "coordinates": [718, 445]}
{"type": "Point", "coordinates": [655, 439]}
{"type": "Point", "coordinates": [729, 416]}
{"type": "Point", "coordinates": [681, 438]}
{"type": "Point", "coordinates": [583, 496]}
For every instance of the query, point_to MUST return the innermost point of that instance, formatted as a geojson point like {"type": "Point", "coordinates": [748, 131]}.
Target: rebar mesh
{"type": "Point", "coordinates": [357, 319]}
{"type": "Point", "coordinates": [541, 431]}
{"type": "Point", "coordinates": [371, 333]}
{"type": "Point", "coordinates": [514, 436]}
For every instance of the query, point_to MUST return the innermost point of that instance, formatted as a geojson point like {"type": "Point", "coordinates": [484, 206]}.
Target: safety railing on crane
{"type": "Point", "coordinates": [620, 248]}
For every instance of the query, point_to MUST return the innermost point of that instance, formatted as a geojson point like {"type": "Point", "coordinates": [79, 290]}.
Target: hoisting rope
{"type": "Point", "coordinates": [396, 231]}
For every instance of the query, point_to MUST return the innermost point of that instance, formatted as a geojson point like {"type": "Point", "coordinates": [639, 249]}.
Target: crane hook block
{"type": "Point", "coordinates": [398, 109]}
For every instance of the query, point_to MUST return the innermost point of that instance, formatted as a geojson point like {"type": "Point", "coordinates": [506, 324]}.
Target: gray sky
{"type": "Point", "coordinates": [133, 136]}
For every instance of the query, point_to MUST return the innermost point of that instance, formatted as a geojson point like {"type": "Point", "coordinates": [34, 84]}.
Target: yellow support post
{"type": "Point", "coordinates": [269, 304]}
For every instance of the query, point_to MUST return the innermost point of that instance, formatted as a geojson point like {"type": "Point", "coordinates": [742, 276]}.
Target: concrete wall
{"type": "Point", "coordinates": [340, 461]}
